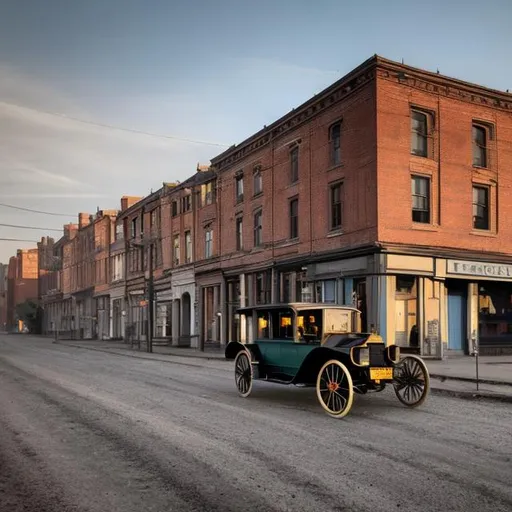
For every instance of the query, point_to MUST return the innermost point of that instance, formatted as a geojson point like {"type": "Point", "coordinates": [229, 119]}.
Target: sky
{"type": "Point", "coordinates": [105, 98]}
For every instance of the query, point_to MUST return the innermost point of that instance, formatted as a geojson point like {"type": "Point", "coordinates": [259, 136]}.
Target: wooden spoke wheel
{"type": "Point", "coordinates": [243, 373]}
{"type": "Point", "coordinates": [334, 389]}
{"type": "Point", "coordinates": [411, 381]}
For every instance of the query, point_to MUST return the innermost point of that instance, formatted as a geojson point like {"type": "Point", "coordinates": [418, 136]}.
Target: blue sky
{"type": "Point", "coordinates": [210, 71]}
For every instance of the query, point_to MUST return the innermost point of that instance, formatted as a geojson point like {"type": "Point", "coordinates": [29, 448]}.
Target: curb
{"type": "Point", "coordinates": [491, 382]}
{"type": "Point", "coordinates": [472, 395]}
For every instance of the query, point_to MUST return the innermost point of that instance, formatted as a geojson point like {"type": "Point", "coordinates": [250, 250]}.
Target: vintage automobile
{"type": "Point", "coordinates": [322, 345]}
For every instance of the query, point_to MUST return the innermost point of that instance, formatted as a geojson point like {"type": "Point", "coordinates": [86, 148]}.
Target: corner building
{"type": "Point", "coordinates": [388, 190]}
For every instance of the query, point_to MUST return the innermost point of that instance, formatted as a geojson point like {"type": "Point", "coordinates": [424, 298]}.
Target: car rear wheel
{"type": "Point", "coordinates": [334, 389]}
{"type": "Point", "coordinates": [411, 381]}
{"type": "Point", "coordinates": [243, 373]}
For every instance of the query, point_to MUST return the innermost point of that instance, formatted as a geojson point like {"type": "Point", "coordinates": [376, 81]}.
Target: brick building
{"type": "Point", "coordinates": [117, 288]}
{"type": "Point", "coordinates": [22, 285]}
{"type": "Point", "coordinates": [3, 296]}
{"type": "Point", "coordinates": [351, 198]}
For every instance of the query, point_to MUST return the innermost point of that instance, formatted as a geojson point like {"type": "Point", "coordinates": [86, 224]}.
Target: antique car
{"type": "Point", "coordinates": [321, 345]}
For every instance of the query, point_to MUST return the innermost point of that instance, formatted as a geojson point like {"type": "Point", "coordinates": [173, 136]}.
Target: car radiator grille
{"type": "Point", "coordinates": [377, 355]}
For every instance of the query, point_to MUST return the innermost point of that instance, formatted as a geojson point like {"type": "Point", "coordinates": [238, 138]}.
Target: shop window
{"type": "Point", "coordinates": [406, 284]}
{"type": "Point", "coordinates": [326, 291]}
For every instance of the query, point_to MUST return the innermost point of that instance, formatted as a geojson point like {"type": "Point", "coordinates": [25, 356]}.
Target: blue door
{"type": "Point", "coordinates": [456, 320]}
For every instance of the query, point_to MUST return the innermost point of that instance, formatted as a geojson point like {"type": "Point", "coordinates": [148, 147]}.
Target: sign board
{"type": "Point", "coordinates": [479, 269]}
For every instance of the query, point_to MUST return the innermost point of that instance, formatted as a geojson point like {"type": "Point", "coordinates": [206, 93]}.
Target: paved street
{"type": "Point", "coordinates": [85, 430]}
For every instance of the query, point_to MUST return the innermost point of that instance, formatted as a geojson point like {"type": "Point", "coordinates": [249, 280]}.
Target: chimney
{"type": "Point", "coordinates": [83, 220]}
{"type": "Point", "coordinates": [129, 201]}
{"type": "Point", "coordinates": [70, 231]}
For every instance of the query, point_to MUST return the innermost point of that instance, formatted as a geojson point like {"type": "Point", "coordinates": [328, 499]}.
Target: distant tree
{"type": "Point", "coordinates": [30, 314]}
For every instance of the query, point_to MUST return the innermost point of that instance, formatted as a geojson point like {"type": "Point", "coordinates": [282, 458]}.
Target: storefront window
{"type": "Point", "coordinates": [495, 312]}
{"type": "Point", "coordinates": [406, 304]}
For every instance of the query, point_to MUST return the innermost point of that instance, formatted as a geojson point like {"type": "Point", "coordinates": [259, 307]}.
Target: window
{"type": "Point", "coordinates": [153, 219]}
{"type": "Point", "coordinates": [335, 143]}
{"type": "Point", "coordinates": [176, 249]}
{"type": "Point", "coordinates": [207, 193]}
{"type": "Point", "coordinates": [239, 188]}
{"type": "Point", "coordinates": [420, 189]}
{"type": "Point", "coordinates": [133, 230]}
{"type": "Point", "coordinates": [188, 247]}
{"type": "Point", "coordinates": [239, 234]}
{"type": "Point", "coordinates": [186, 203]}
{"type": "Point", "coordinates": [419, 133]}
{"type": "Point", "coordinates": [336, 204]}
{"type": "Point", "coordinates": [294, 164]}
{"type": "Point", "coordinates": [258, 217]}
{"type": "Point", "coordinates": [480, 208]}
{"type": "Point", "coordinates": [119, 231]}
{"type": "Point", "coordinates": [479, 146]}
{"type": "Point", "coordinates": [174, 208]}
{"type": "Point", "coordinates": [257, 181]}
{"type": "Point", "coordinates": [294, 218]}
{"type": "Point", "coordinates": [208, 246]}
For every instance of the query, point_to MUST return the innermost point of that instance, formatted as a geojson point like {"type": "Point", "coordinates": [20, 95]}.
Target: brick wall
{"type": "Point", "coordinates": [452, 108]}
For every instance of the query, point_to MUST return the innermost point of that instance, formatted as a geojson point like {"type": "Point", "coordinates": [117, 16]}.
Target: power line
{"type": "Point", "coordinates": [36, 211]}
{"type": "Point", "coordinates": [120, 128]}
{"type": "Point", "coordinates": [17, 240]}
{"type": "Point", "coordinates": [28, 227]}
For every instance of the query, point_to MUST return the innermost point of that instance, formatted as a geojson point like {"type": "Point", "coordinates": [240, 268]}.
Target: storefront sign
{"type": "Point", "coordinates": [475, 268]}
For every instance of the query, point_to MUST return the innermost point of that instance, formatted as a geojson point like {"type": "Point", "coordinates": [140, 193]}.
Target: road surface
{"type": "Point", "coordinates": [83, 430]}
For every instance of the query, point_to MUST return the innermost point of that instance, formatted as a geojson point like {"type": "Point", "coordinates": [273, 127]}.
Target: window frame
{"type": "Point", "coordinates": [257, 181]}
{"type": "Point", "coordinates": [476, 146]}
{"type": "Point", "coordinates": [294, 164]}
{"type": "Point", "coordinates": [293, 217]}
{"type": "Point", "coordinates": [335, 143]}
{"type": "Point", "coordinates": [258, 228]}
{"type": "Point", "coordinates": [427, 198]}
{"type": "Point", "coordinates": [339, 204]}
{"type": "Point", "coordinates": [426, 136]}
{"type": "Point", "coordinates": [208, 243]}
{"type": "Point", "coordinates": [239, 233]}
{"type": "Point", "coordinates": [188, 246]}
{"type": "Point", "coordinates": [239, 188]}
{"type": "Point", "coordinates": [486, 207]}
{"type": "Point", "coordinates": [176, 250]}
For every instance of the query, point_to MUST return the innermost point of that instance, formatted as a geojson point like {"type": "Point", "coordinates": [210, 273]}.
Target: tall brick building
{"type": "Point", "coordinates": [3, 296]}
{"type": "Point", "coordinates": [387, 190]}
{"type": "Point", "coordinates": [22, 284]}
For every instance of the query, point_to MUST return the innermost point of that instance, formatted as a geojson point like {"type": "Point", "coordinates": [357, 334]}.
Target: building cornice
{"type": "Point", "coordinates": [340, 90]}
{"type": "Point", "coordinates": [443, 85]}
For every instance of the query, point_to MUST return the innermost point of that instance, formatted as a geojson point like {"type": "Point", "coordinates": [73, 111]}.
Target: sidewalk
{"type": "Point", "coordinates": [453, 376]}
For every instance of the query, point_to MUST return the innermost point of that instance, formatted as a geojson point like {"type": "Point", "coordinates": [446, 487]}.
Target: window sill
{"type": "Point", "coordinates": [287, 243]}
{"type": "Point", "coordinates": [335, 233]}
{"type": "Point", "coordinates": [335, 167]}
{"type": "Point", "coordinates": [258, 194]}
{"type": "Point", "coordinates": [483, 232]}
{"type": "Point", "coordinates": [425, 227]}
{"type": "Point", "coordinates": [257, 249]}
{"type": "Point", "coordinates": [481, 168]}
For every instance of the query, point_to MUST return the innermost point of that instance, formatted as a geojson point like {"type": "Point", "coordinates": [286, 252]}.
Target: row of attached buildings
{"type": "Point", "coordinates": [389, 190]}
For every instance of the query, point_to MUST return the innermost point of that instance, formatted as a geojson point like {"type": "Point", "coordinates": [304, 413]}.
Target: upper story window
{"type": "Point", "coordinates": [176, 249]}
{"type": "Point", "coordinates": [480, 207]}
{"type": "Point", "coordinates": [208, 243]}
{"type": "Point", "coordinates": [239, 188]}
{"type": "Point", "coordinates": [335, 143]}
{"type": "Point", "coordinates": [294, 164]}
{"type": "Point", "coordinates": [133, 228]}
{"type": "Point", "coordinates": [481, 137]}
{"type": "Point", "coordinates": [119, 230]}
{"type": "Point", "coordinates": [174, 208]}
{"type": "Point", "coordinates": [186, 203]}
{"type": "Point", "coordinates": [420, 125]}
{"type": "Point", "coordinates": [208, 193]}
{"type": "Point", "coordinates": [294, 218]}
{"type": "Point", "coordinates": [239, 233]}
{"type": "Point", "coordinates": [258, 228]}
{"type": "Point", "coordinates": [336, 206]}
{"type": "Point", "coordinates": [420, 189]}
{"type": "Point", "coordinates": [257, 181]}
{"type": "Point", "coordinates": [188, 247]}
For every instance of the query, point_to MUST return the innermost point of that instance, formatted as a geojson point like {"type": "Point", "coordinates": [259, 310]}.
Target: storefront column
{"type": "Point", "coordinates": [224, 319]}
{"type": "Point", "coordinates": [242, 304]}
{"type": "Point", "coordinates": [472, 316]}
{"type": "Point", "coordinates": [175, 324]}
